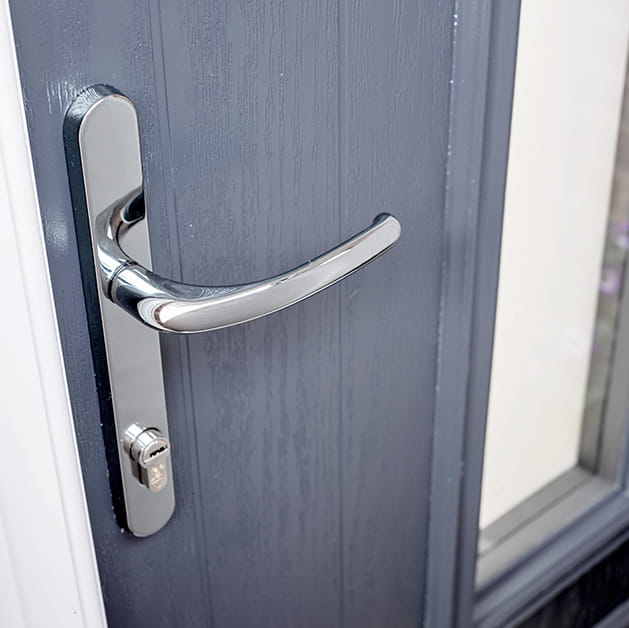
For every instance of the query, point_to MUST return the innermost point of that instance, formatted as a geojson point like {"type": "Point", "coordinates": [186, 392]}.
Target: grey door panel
{"type": "Point", "coordinates": [270, 131]}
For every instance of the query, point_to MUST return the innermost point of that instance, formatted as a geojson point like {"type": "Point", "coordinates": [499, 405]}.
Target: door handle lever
{"type": "Point", "coordinates": [168, 305]}
{"type": "Point", "coordinates": [109, 152]}
{"type": "Point", "coordinates": [105, 170]}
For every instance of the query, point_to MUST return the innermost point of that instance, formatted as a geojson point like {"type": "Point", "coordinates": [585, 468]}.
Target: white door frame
{"type": "Point", "coordinates": [48, 573]}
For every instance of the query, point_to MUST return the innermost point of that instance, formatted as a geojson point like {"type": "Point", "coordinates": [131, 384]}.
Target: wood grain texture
{"type": "Point", "coordinates": [590, 599]}
{"type": "Point", "coordinates": [395, 71]}
{"type": "Point", "coordinates": [252, 108]}
{"type": "Point", "coordinates": [270, 132]}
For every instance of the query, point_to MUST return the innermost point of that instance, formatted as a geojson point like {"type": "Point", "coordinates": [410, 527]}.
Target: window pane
{"type": "Point", "coordinates": [554, 336]}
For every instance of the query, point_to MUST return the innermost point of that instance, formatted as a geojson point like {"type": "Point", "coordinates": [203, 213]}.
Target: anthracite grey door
{"type": "Point", "coordinates": [301, 442]}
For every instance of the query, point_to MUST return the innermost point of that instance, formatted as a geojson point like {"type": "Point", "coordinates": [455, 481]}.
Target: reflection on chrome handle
{"type": "Point", "coordinates": [103, 153]}
{"type": "Point", "coordinates": [171, 306]}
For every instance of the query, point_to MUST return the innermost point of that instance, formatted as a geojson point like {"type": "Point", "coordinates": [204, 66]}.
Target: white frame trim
{"type": "Point", "coordinates": [48, 573]}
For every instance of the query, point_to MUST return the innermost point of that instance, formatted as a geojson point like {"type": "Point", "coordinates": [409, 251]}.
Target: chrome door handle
{"type": "Point", "coordinates": [105, 169]}
{"type": "Point", "coordinates": [168, 305]}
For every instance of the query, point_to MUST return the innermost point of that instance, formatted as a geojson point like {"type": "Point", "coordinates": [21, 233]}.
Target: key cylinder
{"type": "Point", "coordinates": [148, 449]}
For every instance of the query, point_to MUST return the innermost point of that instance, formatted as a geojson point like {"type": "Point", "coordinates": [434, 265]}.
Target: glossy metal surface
{"type": "Point", "coordinates": [148, 449]}
{"type": "Point", "coordinates": [102, 146]}
{"type": "Point", "coordinates": [168, 305]}
{"type": "Point", "coordinates": [111, 180]}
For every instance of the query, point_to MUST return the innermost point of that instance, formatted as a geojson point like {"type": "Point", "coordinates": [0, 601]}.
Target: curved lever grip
{"type": "Point", "coordinates": [102, 124]}
{"type": "Point", "coordinates": [103, 154]}
{"type": "Point", "coordinates": [171, 306]}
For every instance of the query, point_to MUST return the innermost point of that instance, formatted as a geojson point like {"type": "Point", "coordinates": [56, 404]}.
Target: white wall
{"type": "Point", "coordinates": [569, 82]}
